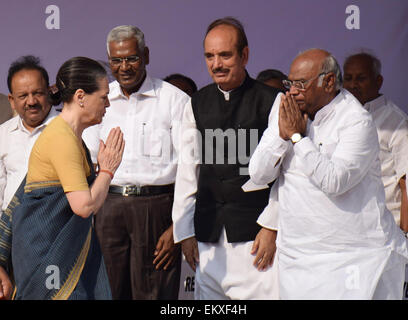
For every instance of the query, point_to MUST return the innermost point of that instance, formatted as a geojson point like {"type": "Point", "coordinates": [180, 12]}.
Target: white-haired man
{"type": "Point", "coordinates": [362, 77]}
{"type": "Point", "coordinates": [134, 226]}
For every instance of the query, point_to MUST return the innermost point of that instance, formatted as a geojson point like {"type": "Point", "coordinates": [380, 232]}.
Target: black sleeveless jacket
{"type": "Point", "coordinates": [220, 200]}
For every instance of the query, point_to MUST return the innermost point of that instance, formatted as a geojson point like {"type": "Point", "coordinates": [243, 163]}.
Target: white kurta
{"type": "Point", "coordinates": [336, 239]}
{"type": "Point", "coordinates": [16, 143]}
{"type": "Point", "coordinates": [150, 120]}
{"type": "Point", "coordinates": [392, 129]}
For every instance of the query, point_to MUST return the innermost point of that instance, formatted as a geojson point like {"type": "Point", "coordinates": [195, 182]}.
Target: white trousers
{"type": "Point", "coordinates": [226, 271]}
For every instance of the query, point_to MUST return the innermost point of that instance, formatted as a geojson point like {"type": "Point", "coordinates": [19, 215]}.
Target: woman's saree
{"type": "Point", "coordinates": [55, 253]}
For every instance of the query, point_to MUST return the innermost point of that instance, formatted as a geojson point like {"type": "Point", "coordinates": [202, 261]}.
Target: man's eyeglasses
{"type": "Point", "coordinates": [118, 61]}
{"type": "Point", "coordinates": [299, 84]}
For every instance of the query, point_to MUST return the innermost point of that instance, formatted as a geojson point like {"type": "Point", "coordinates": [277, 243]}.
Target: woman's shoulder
{"type": "Point", "coordinates": [58, 134]}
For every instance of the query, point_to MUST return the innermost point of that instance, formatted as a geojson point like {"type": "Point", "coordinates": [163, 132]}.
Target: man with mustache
{"type": "Point", "coordinates": [29, 97]}
{"type": "Point", "coordinates": [214, 219]}
{"type": "Point", "coordinates": [134, 225]}
{"type": "Point", "coordinates": [336, 239]}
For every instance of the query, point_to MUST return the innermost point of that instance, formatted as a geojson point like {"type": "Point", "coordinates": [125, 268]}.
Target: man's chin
{"type": "Point", "coordinates": [127, 82]}
{"type": "Point", "coordinates": [219, 77]}
{"type": "Point", "coordinates": [356, 94]}
{"type": "Point", "coordinates": [302, 106]}
{"type": "Point", "coordinates": [34, 115]}
{"type": "Point", "coordinates": [130, 83]}
{"type": "Point", "coordinates": [224, 83]}
{"type": "Point", "coordinates": [33, 123]}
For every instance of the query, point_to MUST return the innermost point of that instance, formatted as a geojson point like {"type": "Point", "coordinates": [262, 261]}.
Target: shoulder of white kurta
{"type": "Point", "coordinates": [395, 108]}
{"type": "Point", "coordinates": [396, 111]}
{"type": "Point", "coordinates": [113, 86]}
{"type": "Point", "coordinates": [177, 98]}
{"type": "Point", "coordinates": [9, 124]}
{"type": "Point", "coordinates": [349, 110]}
{"type": "Point", "coordinates": [5, 130]}
{"type": "Point", "coordinates": [393, 122]}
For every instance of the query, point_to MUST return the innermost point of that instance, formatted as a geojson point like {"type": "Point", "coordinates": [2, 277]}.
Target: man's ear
{"type": "Point", "coordinates": [329, 82]}
{"type": "Point", "coordinates": [245, 55]}
{"type": "Point", "coordinates": [146, 55]}
{"type": "Point", "coordinates": [11, 100]}
{"type": "Point", "coordinates": [379, 81]}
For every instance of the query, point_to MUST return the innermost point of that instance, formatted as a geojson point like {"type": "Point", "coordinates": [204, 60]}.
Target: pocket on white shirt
{"type": "Point", "coordinates": [152, 146]}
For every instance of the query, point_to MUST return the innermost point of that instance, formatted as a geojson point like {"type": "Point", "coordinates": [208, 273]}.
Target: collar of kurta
{"type": "Point", "coordinates": [328, 108]}
{"type": "Point", "coordinates": [18, 123]}
{"type": "Point", "coordinates": [236, 91]}
{"type": "Point", "coordinates": [375, 104]}
{"type": "Point", "coordinates": [146, 89]}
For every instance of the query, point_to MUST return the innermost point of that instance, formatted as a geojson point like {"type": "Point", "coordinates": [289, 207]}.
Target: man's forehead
{"type": "Point", "coordinates": [28, 77]}
{"type": "Point", "coordinates": [221, 34]}
{"type": "Point", "coordinates": [123, 46]}
{"type": "Point", "coordinates": [361, 64]}
{"type": "Point", "coordinates": [302, 68]}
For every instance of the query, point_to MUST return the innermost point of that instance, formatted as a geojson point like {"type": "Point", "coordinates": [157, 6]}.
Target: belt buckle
{"type": "Point", "coordinates": [130, 190]}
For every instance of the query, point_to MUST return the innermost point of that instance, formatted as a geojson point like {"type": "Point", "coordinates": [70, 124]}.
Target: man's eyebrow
{"type": "Point", "coordinates": [301, 79]}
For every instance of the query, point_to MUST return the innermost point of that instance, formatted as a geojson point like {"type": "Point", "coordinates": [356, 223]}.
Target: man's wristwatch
{"type": "Point", "coordinates": [296, 137]}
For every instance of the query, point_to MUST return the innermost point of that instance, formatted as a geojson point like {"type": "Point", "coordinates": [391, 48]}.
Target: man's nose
{"type": "Point", "coordinates": [31, 100]}
{"type": "Point", "coordinates": [124, 65]}
{"type": "Point", "coordinates": [354, 83]}
{"type": "Point", "coordinates": [217, 62]}
{"type": "Point", "coordinates": [293, 90]}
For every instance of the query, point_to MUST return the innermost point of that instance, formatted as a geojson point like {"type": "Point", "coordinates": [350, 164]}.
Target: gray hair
{"type": "Point", "coordinates": [126, 32]}
{"type": "Point", "coordinates": [375, 62]}
{"type": "Point", "coordinates": [329, 64]}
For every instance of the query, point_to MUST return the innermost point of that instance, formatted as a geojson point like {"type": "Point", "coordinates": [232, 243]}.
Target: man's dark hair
{"type": "Point", "coordinates": [26, 63]}
{"type": "Point", "coordinates": [269, 74]}
{"type": "Point", "coordinates": [178, 76]}
{"type": "Point", "coordinates": [242, 41]}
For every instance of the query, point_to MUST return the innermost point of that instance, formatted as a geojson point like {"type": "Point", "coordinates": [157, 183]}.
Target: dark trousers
{"type": "Point", "coordinates": [128, 229]}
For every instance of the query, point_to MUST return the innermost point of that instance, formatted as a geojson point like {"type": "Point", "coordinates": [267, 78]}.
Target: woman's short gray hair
{"type": "Point", "coordinates": [126, 32]}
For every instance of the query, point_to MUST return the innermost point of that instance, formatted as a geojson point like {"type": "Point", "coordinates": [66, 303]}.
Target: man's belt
{"type": "Point", "coordinates": [132, 190]}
